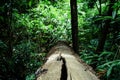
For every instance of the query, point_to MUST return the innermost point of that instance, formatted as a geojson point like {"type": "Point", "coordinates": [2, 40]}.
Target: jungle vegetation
{"type": "Point", "coordinates": [28, 29]}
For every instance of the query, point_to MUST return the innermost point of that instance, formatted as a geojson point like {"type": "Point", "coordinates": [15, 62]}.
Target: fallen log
{"type": "Point", "coordinates": [64, 64]}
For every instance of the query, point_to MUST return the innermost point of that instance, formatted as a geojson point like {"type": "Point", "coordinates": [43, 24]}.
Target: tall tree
{"type": "Point", "coordinates": [74, 23]}
{"type": "Point", "coordinates": [9, 15]}
{"type": "Point", "coordinates": [105, 29]}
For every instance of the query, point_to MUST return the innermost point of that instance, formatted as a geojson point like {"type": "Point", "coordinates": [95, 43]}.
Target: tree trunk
{"type": "Point", "coordinates": [9, 20]}
{"type": "Point", "coordinates": [74, 23]}
{"type": "Point", "coordinates": [105, 29]}
{"type": "Point", "coordinates": [63, 64]}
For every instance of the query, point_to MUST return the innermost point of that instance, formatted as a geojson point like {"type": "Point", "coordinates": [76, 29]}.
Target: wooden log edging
{"type": "Point", "coordinates": [64, 64]}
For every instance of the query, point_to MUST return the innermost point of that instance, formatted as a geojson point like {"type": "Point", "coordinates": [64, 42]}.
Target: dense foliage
{"type": "Point", "coordinates": [28, 28]}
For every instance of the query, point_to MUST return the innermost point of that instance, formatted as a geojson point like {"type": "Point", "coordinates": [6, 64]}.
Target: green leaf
{"type": "Point", "coordinates": [114, 13]}
{"type": "Point", "coordinates": [109, 71]}
{"type": "Point", "coordinates": [30, 3]}
{"type": "Point", "coordinates": [103, 18]}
